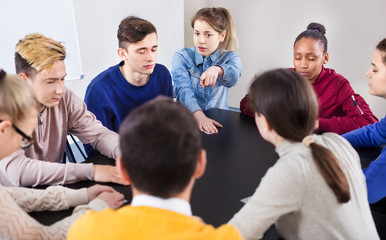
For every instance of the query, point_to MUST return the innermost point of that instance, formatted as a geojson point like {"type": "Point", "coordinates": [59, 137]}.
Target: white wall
{"type": "Point", "coordinates": [267, 29]}
{"type": "Point", "coordinates": [97, 24]}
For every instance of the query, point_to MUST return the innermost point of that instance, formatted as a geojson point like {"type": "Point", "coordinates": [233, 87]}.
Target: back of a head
{"type": "Point", "coordinates": [381, 46]}
{"type": "Point", "coordinates": [133, 29]}
{"type": "Point", "coordinates": [17, 99]}
{"type": "Point", "coordinates": [290, 105]}
{"type": "Point", "coordinates": [288, 102]}
{"type": "Point", "coordinates": [220, 19]}
{"type": "Point", "coordinates": [315, 31]}
{"type": "Point", "coordinates": [36, 53]}
{"type": "Point", "coordinates": [160, 145]}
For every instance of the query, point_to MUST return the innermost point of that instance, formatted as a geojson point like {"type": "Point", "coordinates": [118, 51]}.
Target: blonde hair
{"type": "Point", "coordinates": [17, 99]}
{"type": "Point", "coordinates": [220, 19]}
{"type": "Point", "coordinates": [37, 53]}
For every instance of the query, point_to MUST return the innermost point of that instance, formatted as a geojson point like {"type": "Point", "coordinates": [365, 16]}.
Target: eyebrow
{"type": "Point", "coordinates": [53, 78]}
{"type": "Point", "coordinates": [144, 48]}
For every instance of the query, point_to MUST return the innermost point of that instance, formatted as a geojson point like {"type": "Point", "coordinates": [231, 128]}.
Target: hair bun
{"type": "Point", "coordinates": [2, 73]}
{"type": "Point", "coordinates": [316, 27]}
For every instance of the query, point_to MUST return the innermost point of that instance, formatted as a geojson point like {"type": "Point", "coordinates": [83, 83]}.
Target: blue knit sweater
{"type": "Point", "coordinates": [111, 98]}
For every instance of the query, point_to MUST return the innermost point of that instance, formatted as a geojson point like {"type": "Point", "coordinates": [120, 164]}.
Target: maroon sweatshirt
{"type": "Point", "coordinates": [340, 108]}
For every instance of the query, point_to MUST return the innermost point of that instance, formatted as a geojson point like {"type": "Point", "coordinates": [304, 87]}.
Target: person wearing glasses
{"type": "Point", "coordinates": [18, 118]}
{"type": "Point", "coordinates": [40, 62]}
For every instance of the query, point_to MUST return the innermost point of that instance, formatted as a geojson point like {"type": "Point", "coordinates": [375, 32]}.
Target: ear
{"type": "Point", "coordinates": [122, 53]}
{"type": "Point", "coordinates": [4, 125]}
{"type": "Point", "coordinates": [122, 170]}
{"type": "Point", "coordinates": [261, 122]}
{"type": "Point", "coordinates": [25, 77]}
{"type": "Point", "coordinates": [201, 164]}
{"type": "Point", "coordinates": [326, 57]}
{"type": "Point", "coordinates": [222, 35]}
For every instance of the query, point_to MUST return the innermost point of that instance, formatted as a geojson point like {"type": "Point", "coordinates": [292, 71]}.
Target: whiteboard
{"type": "Point", "coordinates": [52, 18]}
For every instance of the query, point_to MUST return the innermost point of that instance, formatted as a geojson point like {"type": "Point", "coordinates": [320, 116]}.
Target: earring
{"type": "Point", "coordinates": [265, 129]}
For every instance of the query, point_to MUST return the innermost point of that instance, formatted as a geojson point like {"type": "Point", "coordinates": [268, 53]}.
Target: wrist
{"type": "Point", "coordinates": [220, 71]}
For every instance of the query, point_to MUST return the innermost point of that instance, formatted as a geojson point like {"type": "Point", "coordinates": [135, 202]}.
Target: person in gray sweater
{"type": "Point", "coordinates": [316, 189]}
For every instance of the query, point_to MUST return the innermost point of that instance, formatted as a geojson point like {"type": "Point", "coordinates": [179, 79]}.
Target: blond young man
{"type": "Point", "coordinates": [40, 62]}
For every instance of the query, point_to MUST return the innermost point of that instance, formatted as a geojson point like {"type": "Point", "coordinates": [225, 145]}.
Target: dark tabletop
{"type": "Point", "coordinates": [237, 160]}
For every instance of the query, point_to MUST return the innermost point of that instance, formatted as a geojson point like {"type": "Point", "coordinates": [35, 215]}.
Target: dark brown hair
{"type": "Point", "coordinates": [133, 29]}
{"type": "Point", "coordinates": [382, 47]}
{"type": "Point", "coordinates": [315, 31]}
{"type": "Point", "coordinates": [220, 19]}
{"type": "Point", "coordinates": [160, 145]}
{"type": "Point", "coordinates": [272, 90]}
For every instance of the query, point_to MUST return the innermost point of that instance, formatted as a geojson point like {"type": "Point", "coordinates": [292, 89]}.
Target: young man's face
{"type": "Point", "coordinates": [49, 86]}
{"type": "Point", "coordinates": [141, 56]}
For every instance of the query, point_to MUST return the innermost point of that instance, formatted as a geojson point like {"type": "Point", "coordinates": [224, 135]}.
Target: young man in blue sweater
{"type": "Point", "coordinates": [115, 92]}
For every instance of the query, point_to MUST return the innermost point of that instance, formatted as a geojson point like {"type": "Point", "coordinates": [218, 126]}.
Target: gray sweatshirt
{"type": "Point", "coordinates": [294, 195]}
{"type": "Point", "coordinates": [39, 164]}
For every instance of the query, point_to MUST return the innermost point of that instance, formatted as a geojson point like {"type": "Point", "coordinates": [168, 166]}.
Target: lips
{"type": "Point", "coordinates": [149, 66]}
{"type": "Point", "coordinates": [202, 49]}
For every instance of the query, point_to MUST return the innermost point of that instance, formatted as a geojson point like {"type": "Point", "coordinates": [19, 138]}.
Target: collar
{"type": "Point", "coordinates": [321, 76]}
{"type": "Point", "coordinates": [200, 59]}
{"type": "Point", "coordinates": [172, 204]}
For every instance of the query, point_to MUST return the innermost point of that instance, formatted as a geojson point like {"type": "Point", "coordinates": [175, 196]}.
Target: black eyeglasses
{"type": "Point", "coordinates": [26, 141]}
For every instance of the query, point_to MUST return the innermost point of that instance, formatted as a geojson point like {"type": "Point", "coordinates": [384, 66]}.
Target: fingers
{"type": "Point", "coordinates": [210, 128]}
{"type": "Point", "coordinates": [216, 123]}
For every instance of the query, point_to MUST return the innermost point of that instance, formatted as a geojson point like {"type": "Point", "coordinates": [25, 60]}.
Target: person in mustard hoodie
{"type": "Point", "coordinates": [162, 158]}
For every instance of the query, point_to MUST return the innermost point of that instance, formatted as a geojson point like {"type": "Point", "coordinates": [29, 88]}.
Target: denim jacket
{"type": "Point", "coordinates": [187, 67]}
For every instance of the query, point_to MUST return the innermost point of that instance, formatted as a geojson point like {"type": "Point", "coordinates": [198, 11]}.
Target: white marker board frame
{"type": "Point", "coordinates": [52, 18]}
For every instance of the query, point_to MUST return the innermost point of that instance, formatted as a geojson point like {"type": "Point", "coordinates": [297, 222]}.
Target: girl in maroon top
{"type": "Point", "coordinates": [340, 108]}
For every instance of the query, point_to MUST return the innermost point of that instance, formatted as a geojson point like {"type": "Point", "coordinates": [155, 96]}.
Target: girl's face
{"type": "Point", "coordinates": [10, 140]}
{"type": "Point", "coordinates": [309, 58]}
{"type": "Point", "coordinates": [377, 75]}
{"type": "Point", "coordinates": [206, 39]}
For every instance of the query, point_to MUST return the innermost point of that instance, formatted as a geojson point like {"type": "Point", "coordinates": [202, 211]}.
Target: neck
{"type": "Point", "coordinates": [184, 195]}
{"type": "Point", "coordinates": [133, 77]}
{"type": "Point", "coordinates": [41, 108]}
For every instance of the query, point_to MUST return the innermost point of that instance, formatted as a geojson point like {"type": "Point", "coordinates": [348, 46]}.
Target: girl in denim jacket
{"type": "Point", "coordinates": [202, 74]}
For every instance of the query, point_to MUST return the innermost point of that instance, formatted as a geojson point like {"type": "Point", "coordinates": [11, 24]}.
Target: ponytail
{"type": "Point", "coordinates": [329, 168]}
{"type": "Point", "coordinates": [230, 39]}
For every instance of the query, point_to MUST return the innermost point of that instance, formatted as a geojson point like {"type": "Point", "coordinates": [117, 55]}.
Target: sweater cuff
{"type": "Point", "coordinates": [76, 197]}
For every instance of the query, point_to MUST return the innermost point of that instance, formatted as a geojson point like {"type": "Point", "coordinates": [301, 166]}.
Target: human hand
{"type": "Point", "coordinates": [113, 199]}
{"type": "Point", "coordinates": [209, 77]}
{"type": "Point", "coordinates": [206, 124]}
{"type": "Point", "coordinates": [107, 173]}
{"type": "Point", "coordinates": [94, 191]}
{"type": "Point", "coordinates": [316, 124]}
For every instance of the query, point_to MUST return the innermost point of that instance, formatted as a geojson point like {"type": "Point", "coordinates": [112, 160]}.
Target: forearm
{"type": "Point", "coordinates": [18, 170]}
{"type": "Point", "coordinates": [342, 124]}
{"type": "Point", "coordinates": [53, 198]}
{"type": "Point", "coordinates": [231, 71]}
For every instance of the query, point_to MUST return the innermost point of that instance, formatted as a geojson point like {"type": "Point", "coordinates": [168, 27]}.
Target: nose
{"type": "Point", "coordinates": [201, 39]}
{"type": "Point", "coordinates": [60, 89]}
{"type": "Point", "coordinates": [368, 73]}
{"type": "Point", "coordinates": [150, 57]}
{"type": "Point", "coordinates": [303, 63]}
